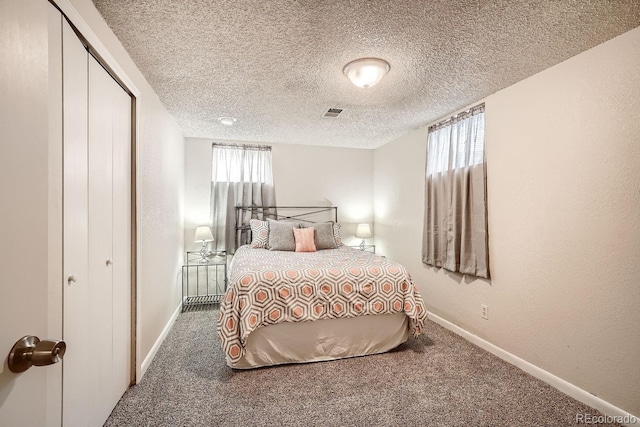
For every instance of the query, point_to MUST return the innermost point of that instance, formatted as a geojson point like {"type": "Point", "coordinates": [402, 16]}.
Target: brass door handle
{"type": "Point", "coordinates": [30, 351]}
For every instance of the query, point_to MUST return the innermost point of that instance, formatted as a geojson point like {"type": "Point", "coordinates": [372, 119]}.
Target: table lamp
{"type": "Point", "coordinates": [363, 232]}
{"type": "Point", "coordinates": [204, 235]}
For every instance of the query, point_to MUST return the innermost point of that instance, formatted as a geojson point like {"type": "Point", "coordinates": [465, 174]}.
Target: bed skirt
{"type": "Point", "coordinates": [322, 340]}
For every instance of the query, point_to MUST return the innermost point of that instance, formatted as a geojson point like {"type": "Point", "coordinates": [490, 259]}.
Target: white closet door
{"type": "Point", "coordinates": [110, 231]}
{"type": "Point", "coordinates": [100, 233]}
{"type": "Point", "coordinates": [121, 163]}
{"type": "Point", "coordinates": [97, 237]}
{"type": "Point", "coordinates": [78, 373]}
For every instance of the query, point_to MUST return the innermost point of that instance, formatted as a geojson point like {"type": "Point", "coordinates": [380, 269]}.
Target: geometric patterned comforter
{"type": "Point", "coordinates": [270, 287]}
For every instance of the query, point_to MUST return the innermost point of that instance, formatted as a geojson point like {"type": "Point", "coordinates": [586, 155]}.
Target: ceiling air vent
{"type": "Point", "coordinates": [333, 112]}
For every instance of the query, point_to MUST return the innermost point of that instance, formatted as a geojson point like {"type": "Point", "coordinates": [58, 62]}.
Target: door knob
{"type": "Point", "coordinates": [30, 351]}
{"type": "Point", "coordinates": [109, 262]}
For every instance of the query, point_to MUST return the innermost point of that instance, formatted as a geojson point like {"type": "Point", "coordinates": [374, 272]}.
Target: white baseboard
{"type": "Point", "coordinates": [152, 353]}
{"type": "Point", "coordinates": [567, 388]}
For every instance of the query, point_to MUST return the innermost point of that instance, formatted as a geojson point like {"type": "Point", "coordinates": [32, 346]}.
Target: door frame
{"type": "Point", "coordinates": [100, 52]}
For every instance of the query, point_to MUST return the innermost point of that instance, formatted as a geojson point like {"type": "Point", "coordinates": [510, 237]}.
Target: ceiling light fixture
{"type": "Point", "coordinates": [366, 72]}
{"type": "Point", "coordinates": [227, 121]}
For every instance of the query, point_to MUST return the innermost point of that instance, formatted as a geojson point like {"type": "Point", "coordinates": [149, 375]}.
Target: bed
{"type": "Point", "coordinates": [283, 306]}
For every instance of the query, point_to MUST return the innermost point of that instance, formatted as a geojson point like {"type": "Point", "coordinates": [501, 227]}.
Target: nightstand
{"type": "Point", "coordinates": [203, 283]}
{"type": "Point", "coordinates": [370, 248]}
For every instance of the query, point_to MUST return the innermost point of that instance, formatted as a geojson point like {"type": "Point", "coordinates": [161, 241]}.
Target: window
{"type": "Point", "coordinates": [241, 175]}
{"type": "Point", "coordinates": [241, 163]}
{"type": "Point", "coordinates": [453, 146]}
{"type": "Point", "coordinates": [455, 233]}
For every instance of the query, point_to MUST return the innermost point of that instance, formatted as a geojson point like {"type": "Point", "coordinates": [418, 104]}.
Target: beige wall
{"type": "Point", "coordinates": [563, 161]}
{"type": "Point", "coordinates": [160, 180]}
{"type": "Point", "coordinates": [304, 175]}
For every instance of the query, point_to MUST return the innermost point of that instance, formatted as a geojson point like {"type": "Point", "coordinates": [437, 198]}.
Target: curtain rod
{"type": "Point", "coordinates": [256, 147]}
{"type": "Point", "coordinates": [458, 117]}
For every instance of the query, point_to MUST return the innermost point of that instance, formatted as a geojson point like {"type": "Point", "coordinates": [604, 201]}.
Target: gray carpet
{"type": "Point", "coordinates": [437, 380]}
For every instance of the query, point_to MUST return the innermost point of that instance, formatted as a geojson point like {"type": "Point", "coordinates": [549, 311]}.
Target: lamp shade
{"type": "Point", "coordinates": [203, 234]}
{"type": "Point", "coordinates": [366, 72]}
{"type": "Point", "coordinates": [363, 231]}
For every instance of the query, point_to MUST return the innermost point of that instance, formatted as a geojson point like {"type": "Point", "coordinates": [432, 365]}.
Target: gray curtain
{"type": "Point", "coordinates": [455, 233]}
{"type": "Point", "coordinates": [241, 175]}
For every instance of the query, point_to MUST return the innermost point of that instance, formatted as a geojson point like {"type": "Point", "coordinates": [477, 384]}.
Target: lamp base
{"type": "Point", "coordinates": [204, 253]}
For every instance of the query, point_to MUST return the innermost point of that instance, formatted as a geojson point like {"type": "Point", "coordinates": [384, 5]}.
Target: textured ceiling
{"type": "Point", "coordinates": [276, 65]}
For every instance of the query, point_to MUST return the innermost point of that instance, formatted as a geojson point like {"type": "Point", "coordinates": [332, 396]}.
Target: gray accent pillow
{"type": "Point", "coordinates": [281, 235]}
{"type": "Point", "coordinates": [323, 236]}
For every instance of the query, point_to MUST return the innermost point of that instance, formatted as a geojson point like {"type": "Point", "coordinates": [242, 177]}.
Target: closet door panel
{"type": "Point", "coordinates": [121, 240]}
{"type": "Point", "coordinates": [101, 232]}
{"type": "Point", "coordinates": [78, 371]}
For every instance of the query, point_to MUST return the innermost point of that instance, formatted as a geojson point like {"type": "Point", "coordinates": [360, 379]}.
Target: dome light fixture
{"type": "Point", "coordinates": [227, 121]}
{"type": "Point", "coordinates": [366, 72]}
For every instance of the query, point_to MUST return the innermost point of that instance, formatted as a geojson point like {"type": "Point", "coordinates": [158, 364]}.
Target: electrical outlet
{"type": "Point", "coordinates": [484, 312]}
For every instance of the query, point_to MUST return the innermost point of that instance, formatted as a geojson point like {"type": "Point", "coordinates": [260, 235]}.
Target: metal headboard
{"type": "Point", "coordinates": [300, 213]}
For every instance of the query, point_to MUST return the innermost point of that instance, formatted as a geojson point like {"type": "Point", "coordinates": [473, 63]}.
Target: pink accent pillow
{"type": "Point", "coordinates": [304, 239]}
